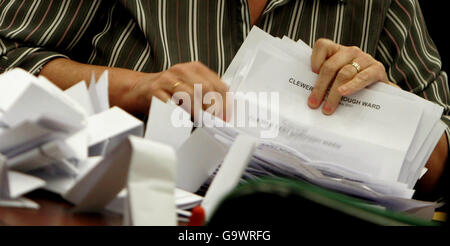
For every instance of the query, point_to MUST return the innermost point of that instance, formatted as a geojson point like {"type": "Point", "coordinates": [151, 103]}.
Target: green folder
{"type": "Point", "coordinates": [345, 207]}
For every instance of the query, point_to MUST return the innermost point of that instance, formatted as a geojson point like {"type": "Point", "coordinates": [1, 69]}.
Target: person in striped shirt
{"type": "Point", "coordinates": [157, 47]}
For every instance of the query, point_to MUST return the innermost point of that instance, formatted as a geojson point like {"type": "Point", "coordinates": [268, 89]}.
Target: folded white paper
{"type": "Point", "coordinates": [93, 191]}
{"type": "Point", "coordinates": [167, 123]}
{"type": "Point", "coordinates": [198, 157]}
{"type": "Point", "coordinates": [151, 184]}
{"type": "Point", "coordinates": [184, 200]}
{"type": "Point", "coordinates": [79, 92]}
{"type": "Point", "coordinates": [112, 125]}
{"type": "Point", "coordinates": [27, 97]}
{"type": "Point", "coordinates": [229, 172]}
{"type": "Point", "coordinates": [98, 92]}
{"type": "Point", "coordinates": [14, 184]}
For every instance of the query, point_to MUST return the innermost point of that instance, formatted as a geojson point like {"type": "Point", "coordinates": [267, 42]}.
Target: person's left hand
{"type": "Point", "coordinates": [345, 70]}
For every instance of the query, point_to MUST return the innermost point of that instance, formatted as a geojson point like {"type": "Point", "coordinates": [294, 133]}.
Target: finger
{"type": "Point", "coordinates": [328, 73]}
{"type": "Point", "coordinates": [162, 95]}
{"type": "Point", "coordinates": [196, 72]}
{"type": "Point", "coordinates": [334, 97]}
{"type": "Point", "coordinates": [209, 80]}
{"type": "Point", "coordinates": [211, 83]}
{"type": "Point", "coordinates": [323, 48]}
{"type": "Point", "coordinates": [366, 77]}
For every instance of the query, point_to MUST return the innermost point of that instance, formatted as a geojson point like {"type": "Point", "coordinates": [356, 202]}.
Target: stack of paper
{"type": "Point", "coordinates": [73, 144]}
{"type": "Point", "coordinates": [48, 132]}
{"type": "Point", "coordinates": [375, 145]}
{"type": "Point", "coordinates": [40, 126]}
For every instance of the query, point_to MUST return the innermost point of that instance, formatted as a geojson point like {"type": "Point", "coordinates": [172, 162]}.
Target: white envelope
{"type": "Point", "coordinates": [253, 39]}
{"type": "Point", "coordinates": [431, 115]}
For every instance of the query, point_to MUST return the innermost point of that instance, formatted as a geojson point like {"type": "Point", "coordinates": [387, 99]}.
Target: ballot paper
{"type": "Point", "coordinates": [13, 185]}
{"type": "Point", "coordinates": [79, 92]}
{"type": "Point", "coordinates": [184, 200]}
{"type": "Point", "coordinates": [43, 144]}
{"type": "Point", "coordinates": [275, 159]}
{"type": "Point", "coordinates": [374, 146]}
{"type": "Point", "coordinates": [98, 92]}
{"type": "Point", "coordinates": [58, 180]}
{"type": "Point", "coordinates": [151, 184]}
{"type": "Point", "coordinates": [198, 157]}
{"type": "Point", "coordinates": [56, 140]}
{"type": "Point", "coordinates": [93, 191]}
{"type": "Point", "coordinates": [229, 173]}
{"type": "Point", "coordinates": [41, 125]}
{"type": "Point", "coordinates": [29, 97]}
{"type": "Point", "coordinates": [108, 128]}
{"type": "Point", "coordinates": [167, 123]}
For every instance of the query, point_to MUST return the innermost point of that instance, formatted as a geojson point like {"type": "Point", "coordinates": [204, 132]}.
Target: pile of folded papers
{"type": "Point", "coordinates": [70, 143]}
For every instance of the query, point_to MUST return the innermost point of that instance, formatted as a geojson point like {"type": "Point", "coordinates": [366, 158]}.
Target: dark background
{"type": "Point", "coordinates": [437, 17]}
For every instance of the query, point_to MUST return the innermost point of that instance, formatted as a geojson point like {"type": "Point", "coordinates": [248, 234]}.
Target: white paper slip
{"type": "Point", "coordinates": [99, 93]}
{"type": "Point", "coordinates": [23, 134]}
{"type": "Point", "coordinates": [79, 92]}
{"type": "Point", "coordinates": [151, 184]}
{"type": "Point", "coordinates": [29, 98]}
{"type": "Point", "coordinates": [198, 157]}
{"type": "Point", "coordinates": [229, 173]}
{"type": "Point", "coordinates": [167, 123]}
{"type": "Point", "coordinates": [59, 181]}
{"type": "Point", "coordinates": [14, 184]}
{"type": "Point", "coordinates": [183, 200]}
{"type": "Point", "coordinates": [20, 184]}
{"type": "Point", "coordinates": [186, 200]}
{"type": "Point", "coordinates": [73, 147]}
{"type": "Point", "coordinates": [93, 191]}
{"type": "Point", "coordinates": [112, 123]}
{"type": "Point", "coordinates": [20, 202]}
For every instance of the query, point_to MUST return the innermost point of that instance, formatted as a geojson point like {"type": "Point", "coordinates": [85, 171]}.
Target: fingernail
{"type": "Point", "coordinates": [312, 101]}
{"type": "Point", "coordinates": [326, 109]}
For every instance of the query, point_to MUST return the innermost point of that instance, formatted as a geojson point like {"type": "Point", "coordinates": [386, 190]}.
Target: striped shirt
{"type": "Point", "coordinates": [153, 35]}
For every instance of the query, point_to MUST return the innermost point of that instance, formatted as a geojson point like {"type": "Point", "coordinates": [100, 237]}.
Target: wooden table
{"type": "Point", "coordinates": [54, 211]}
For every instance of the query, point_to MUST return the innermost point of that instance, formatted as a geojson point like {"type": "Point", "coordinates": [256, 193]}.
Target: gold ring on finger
{"type": "Point", "coordinates": [176, 84]}
{"type": "Point", "coordinates": [357, 66]}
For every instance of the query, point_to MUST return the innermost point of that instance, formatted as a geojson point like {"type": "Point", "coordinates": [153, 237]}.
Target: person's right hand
{"type": "Point", "coordinates": [133, 90]}
{"type": "Point", "coordinates": [178, 78]}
